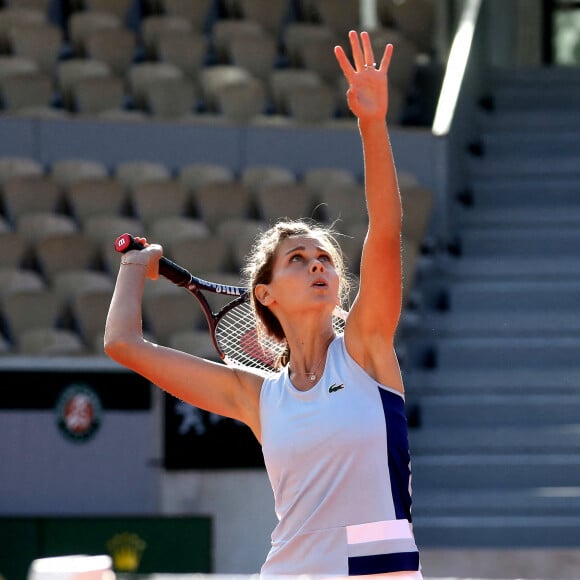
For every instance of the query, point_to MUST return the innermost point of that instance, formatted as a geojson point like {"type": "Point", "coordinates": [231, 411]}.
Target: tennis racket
{"type": "Point", "coordinates": [233, 327]}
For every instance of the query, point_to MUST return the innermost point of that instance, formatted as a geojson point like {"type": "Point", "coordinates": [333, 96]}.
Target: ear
{"type": "Point", "coordinates": [262, 294]}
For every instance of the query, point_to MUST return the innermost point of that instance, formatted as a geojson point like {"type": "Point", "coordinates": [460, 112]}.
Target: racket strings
{"type": "Point", "coordinates": [238, 338]}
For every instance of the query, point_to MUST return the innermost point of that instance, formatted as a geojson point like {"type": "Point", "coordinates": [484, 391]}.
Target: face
{"type": "Point", "coordinates": [304, 277]}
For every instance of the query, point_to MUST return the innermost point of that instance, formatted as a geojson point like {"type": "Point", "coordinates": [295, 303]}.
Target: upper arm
{"type": "Point", "coordinates": [208, 385]}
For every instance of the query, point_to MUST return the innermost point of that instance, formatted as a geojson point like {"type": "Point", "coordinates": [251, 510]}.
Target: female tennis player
{"type": "Point", "coordinates": [331, 421]}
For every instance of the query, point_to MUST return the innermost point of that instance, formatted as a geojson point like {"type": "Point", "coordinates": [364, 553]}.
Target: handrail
{"type": "Point", "coordinates": [455, 69]}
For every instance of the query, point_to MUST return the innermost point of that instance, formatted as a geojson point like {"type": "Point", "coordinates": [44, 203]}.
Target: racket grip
{"type": "Point", "coordinates": [168, 269]}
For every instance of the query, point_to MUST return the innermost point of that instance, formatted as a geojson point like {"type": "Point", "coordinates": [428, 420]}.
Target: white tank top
{"type": "Point", "coordinates": [337, 457]}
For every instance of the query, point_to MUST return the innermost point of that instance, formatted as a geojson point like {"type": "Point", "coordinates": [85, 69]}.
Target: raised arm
{"type": "Point", "coordinates": [205, 384]}
{"type": "Point", "coordinates": [377, 308]}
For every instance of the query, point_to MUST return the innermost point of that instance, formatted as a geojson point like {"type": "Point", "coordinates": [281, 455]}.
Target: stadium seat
{"type": "Point", "coordinates": [225, 30]}
{"type": "Point", "coordinates": [103, 229]}
{"type": "Point", "coordinates": [82, 24]}
{"type": "Point", "coordinates": [240, 235]}
{"type": "Point", "coordinates": [212, 78]}
{"type": "Point", "coordinates": [416, 20]}
{"type": "Point", "coordinates": [177, 228]}
{"type": "Point", "coordinates": [119, 8]}
{"type": "Point", "coordinates": [27, 92]}
{"type": "Point", "coordinates": [298, 35]}
{"type": "Point", "coordinates": [317, 54]}
{"type": "Point", "coordinates": [12, 66]}
{"type": "Point", "coordinates": [67, 171]}
{"type": "Point", "coordinates": [197, 13]}
{"type": "Point", "coordinates": [69, 283]}
{"type": "Point", "coordinates": [155, 25]}
{"type": "Point", "coordinates": [136, 171]}
{"type": "Point", "coordinates": [195, 175]}
{"type": "Point", "coordinates": [95, 196]}
{"type": "Point", "coordinates": [340, 17]}
{"type": "Point", "coordinates": [283, 200]}
{"type": "Point", "coordinates": [94, 96]}
{"type": "Point", "coordinates": [256, 53]}
{"type": "Point", "coordinates": [201, 254]}
{"type": "Point", "coordinates": [220, 201]}
{"type": "Point", "coordinates": [172, 99]}
{"type": "Point", "coordinates": [18, 16]}
{"type": "Point", "coordinates": [170, 309]}
{"type": "Point", "coordinates": [418, 203]}
{"type": "Point", "coordinates": [269, 14]}
{"type": "Point", "coordinates": [311, 105]}
{"type": "Point", "coordinates": [154, 200]}
{"type": "Point", "coordinates": [185, 50]}
{"type": "Point", "coordinates": [140, 75]}
{"type": "Point", "coordinates": [344, 204]}
{"type": "Point", "coordinates": [35, 226]}
{"type": "Point", "coordinates": [13, 250]}
{"type": "Point", "coordinates": [41, 43]}
{"type": "Point", "coordinates": [241, 102]}
{"type": "Point", "coordinates": [89, 310]}
{"type": "Point", "coordinates": [255, 177]}
{"type": "Point", "coordinates": [50, 342]}
{"type": "Point", "coordinates": [319, 178]}
{"type": "Point", "coordinates": [282, 81]}
{"type": "Point", "coordinates": [116, 47]}
{"type": "Point", "coordinates": [70, 72]}
{"type": "Point", "coordinates": [17, 279]}
{"type": "Point", "coordinates": [60, 253]}
{"type": "Point", "coordinates": [12, 166]}
{"type": "Point", "coordinates": [25, 310]}
{"type": "Point", "coordinates": [194, 341]}
{"type": "Point", "coordinates": [30, 193]}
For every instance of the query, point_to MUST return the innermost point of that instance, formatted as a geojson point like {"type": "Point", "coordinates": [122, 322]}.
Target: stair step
{"type": "Point", "coordinates": [497, 531]}
{"type": "Point", "coordinates": [499, 440]}
{"type": "Point", "coordinates": [504, 323]}
{"type": "Point", "coordinates": [518, 143]}
{"type": "Point", "coordinates": [485, 471]}
{"type": "Point", "coordinates": [465, 297]}
{"type": "Point", "coordinates": [526, 192]}
{"type": "Point", "coordinates": [489, 380]}
{"type": "Point", "coordinates": [546, 241]}
{"type": "Point", "coordinates": [477, 410]}
{"type": "Point", "coordinates": [530, 120]}
{"type": "Point", "coordinates": [531, 165]}
{"type": "Point", "coordinates": [505, 353]}
{"type": "Point", "coordinates": [514, 268]}
{"type": "Point", "coordinates": [525, 502]}
{"type": "Point", "coordinates": [519, 217]}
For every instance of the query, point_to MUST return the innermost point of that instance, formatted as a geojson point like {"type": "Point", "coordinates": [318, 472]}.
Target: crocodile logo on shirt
{"type": "Point", "coordinates": [334, 387]}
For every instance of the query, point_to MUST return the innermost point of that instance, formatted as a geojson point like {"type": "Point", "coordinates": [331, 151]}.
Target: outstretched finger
{"type": "Point", "coordinates": [386, 60]}
{"type": "Point", "coordinates": [357, 53]}
{"type": "Point", "coordinates": [369, 56]}
{"type": "Point", "coordinates": [343, 62]}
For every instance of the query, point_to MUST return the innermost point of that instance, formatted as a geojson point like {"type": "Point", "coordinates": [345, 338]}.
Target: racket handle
{"type": "Point", "coordinates": [170, 270]}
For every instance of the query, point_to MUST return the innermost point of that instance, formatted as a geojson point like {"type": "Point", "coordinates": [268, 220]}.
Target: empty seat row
{"type": "Point", "coordinates": [99, 66]}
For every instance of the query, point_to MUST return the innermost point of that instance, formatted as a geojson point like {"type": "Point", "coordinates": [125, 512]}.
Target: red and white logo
{"type": "Point", "coordinates": [79, 412]}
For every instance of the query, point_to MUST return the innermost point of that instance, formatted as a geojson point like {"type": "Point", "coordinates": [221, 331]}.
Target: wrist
{"type": "Point", "coordinates": [128, 260]}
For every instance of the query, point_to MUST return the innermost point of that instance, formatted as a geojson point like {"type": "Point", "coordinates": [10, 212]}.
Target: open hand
{"type": "Point", "coordinates": [367, 95]}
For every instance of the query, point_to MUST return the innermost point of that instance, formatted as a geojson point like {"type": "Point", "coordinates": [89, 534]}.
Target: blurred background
{"type": "Point", "coordinates": [199, 122]}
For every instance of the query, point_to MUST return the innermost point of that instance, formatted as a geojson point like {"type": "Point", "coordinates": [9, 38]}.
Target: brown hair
{"type": "Point", "coordinates": [260, 264]}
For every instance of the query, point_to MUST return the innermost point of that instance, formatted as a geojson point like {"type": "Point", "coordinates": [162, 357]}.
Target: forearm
{"type": "Point", "coordinates": [381, 186]}
{"type": "Point", "coordinates": [124, 320]}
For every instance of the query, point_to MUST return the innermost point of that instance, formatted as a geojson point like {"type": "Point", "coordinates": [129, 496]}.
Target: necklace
{"type": "Point", "coordinates": [311, 375]}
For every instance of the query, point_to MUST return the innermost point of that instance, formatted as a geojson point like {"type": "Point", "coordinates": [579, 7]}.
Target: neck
{"type": "Point", "coordinates": [306, 368]}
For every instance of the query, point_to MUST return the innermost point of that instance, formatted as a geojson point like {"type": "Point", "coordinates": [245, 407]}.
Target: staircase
{"type": "Point", "coordinates": [496, 359]}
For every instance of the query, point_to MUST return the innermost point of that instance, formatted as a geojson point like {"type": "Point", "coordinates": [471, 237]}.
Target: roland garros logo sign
{"type": "Point", "coordinates": [78, 411]}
